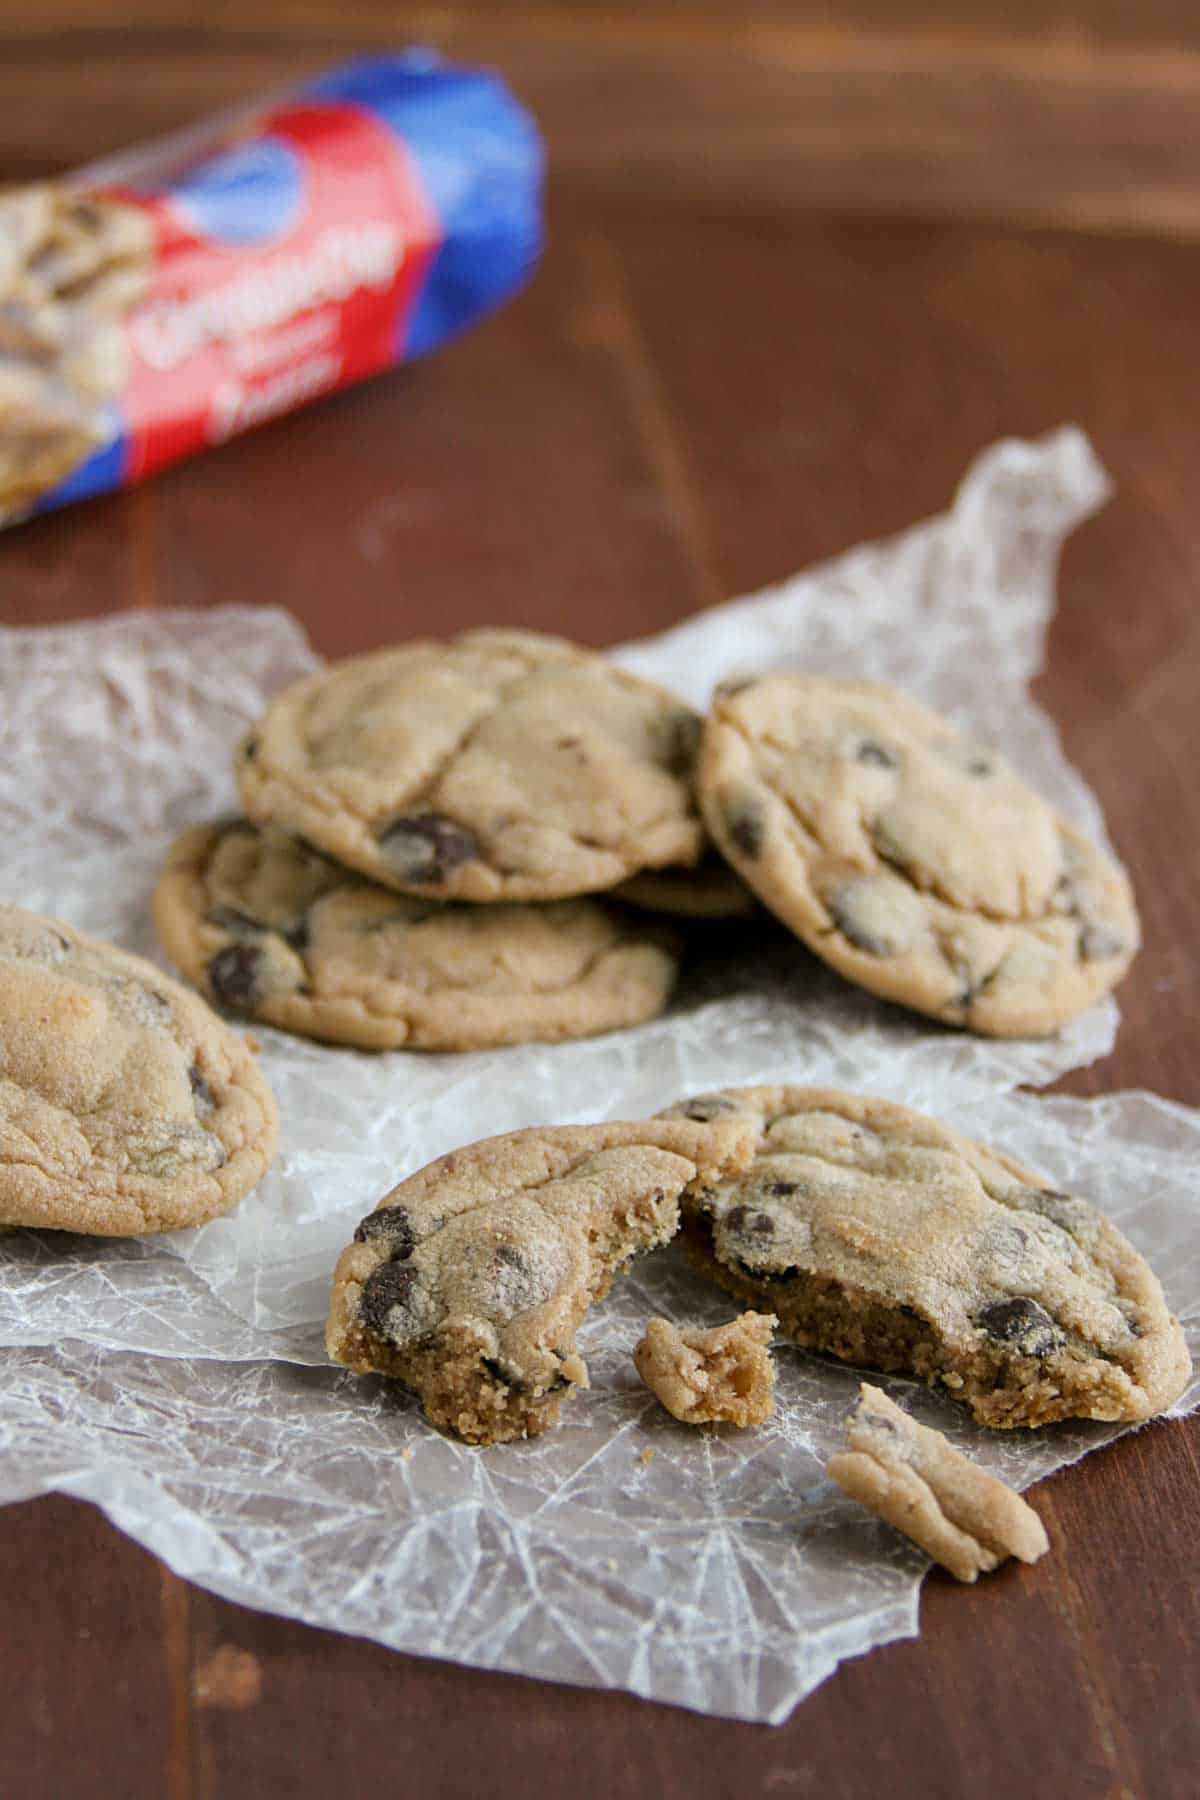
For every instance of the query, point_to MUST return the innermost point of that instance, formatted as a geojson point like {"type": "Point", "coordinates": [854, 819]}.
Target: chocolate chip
{"type": "Point", "coordinates": [506, 1376]}
{"type": "Point", "coordinates": [250, 748]}
{"type": "Point", "coordinates": [749, 1224]}
{"type": "Point", "coordinates": [388, 1287]}
{"type": "Point", "coordinates": [970, 985]}
{"type": "Point", "coordinates": [778, 1190]}
{"type": "Point", "coordinates": [683, 741]}
{"type": "Point", "coordinates": [298, 935]}
{"type": "Point", "coordinates": [392, 1223]}
{"type": "Point", "coordinates": [202, 1095]}
{"type": "Point", "coordinates": [1008, 1242]}
{"type": "Point", "coordinates": [427, 846]}
{"type": "Point", "coordinates": [746, 823]}
{"type": "Point", "coordinates": [233, 975]}
{"type": "Point", "coordinates": [1129, 1312]}
{"type": "Point", "coordinates": [979, 765]}
{"type": "Point", "coordinates": [1098, 943]}
{"type": "Point", "coordinates": [240, 924]}
{"type": "Point", "coordinates": [853, 927]}
{"type": "Point", "coordinates": [1024, 1324]}
{"type": "Point", "coordinates": [1064, 1210]}
{"type": "Point", "coordinates": [876, 756]}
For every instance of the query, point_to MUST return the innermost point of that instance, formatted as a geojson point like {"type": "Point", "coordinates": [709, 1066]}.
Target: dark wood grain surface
{"type": "Point", "coordinates": [805, 261]}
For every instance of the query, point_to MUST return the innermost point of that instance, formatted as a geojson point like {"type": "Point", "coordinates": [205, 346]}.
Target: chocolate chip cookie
{"type": "Point", "coordinates": [912, 860]}
{"type": "Point", "coordinates": [469, 1280]}
{"type": "Point", "coordinates": [881, 1237]}
{"type": "Point", "coordinates": [910, 1476]}
{"type": "Point", "coordinates": [273, 930]}
{"type": "Point", "coordinates": [499, 766]}
{"type": "Point", "coordinates": [720, 1376]}
{"type": "Point", "coordinates": [126, 1106]}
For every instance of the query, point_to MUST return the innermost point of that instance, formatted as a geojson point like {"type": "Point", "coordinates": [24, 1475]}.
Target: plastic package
{"type": "Point", "coordinates": [186, 290]}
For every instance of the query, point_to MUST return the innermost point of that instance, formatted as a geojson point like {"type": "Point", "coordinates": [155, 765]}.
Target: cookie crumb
{"type": "Point", "coordinates": [646, 1458]}
{"type": "Point", "coordinates": [908, 1475]}
{"type": "Point", "coordinates": [722, 1376]}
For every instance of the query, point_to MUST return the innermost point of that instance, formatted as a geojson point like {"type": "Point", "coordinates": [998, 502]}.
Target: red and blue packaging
{"type": "Point", "coordinates": [185, 291]}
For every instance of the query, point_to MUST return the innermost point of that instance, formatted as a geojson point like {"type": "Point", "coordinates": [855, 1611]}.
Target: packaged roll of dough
{"type": "Point", "coordinates": [186, 290]}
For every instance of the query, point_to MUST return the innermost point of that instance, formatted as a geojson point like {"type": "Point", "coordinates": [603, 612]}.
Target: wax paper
{"type": "Point", "coordinates": [180, 1383]}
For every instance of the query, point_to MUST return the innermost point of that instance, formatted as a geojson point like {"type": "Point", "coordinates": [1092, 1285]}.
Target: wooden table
{"type": "Point", "coordinates": [805, 262]}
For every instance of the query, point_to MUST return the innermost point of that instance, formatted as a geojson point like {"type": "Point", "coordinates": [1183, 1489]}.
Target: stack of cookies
{"type": "Point", "coordinates": [435, 837]}
{"type": "Point", "coordinates": [431, 841]}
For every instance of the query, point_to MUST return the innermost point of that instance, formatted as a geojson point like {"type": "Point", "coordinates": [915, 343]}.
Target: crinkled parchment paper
{"type": "Point", "coordinates": [180, 1383]}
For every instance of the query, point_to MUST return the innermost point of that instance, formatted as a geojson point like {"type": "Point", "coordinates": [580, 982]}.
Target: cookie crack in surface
{"type": "Point", "coordinates": [499, 702]}
{"type": "Point", "coordinates": [425, 792]}
{"type": "Point", "coordinates": [977, 909]}
{"type": "Point", "coordinates": [530, 1192]}
{"type": "Point", "coordinates": [813, 836]}
{"type": "Point", "coordinates": [306, 788]}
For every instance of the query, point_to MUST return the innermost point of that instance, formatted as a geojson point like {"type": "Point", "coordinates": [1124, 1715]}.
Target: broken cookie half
{"type": "Point", "coordinates": [723, 1376]}
{"type": "Point", "coordinates": [908, 1475]}
{"type": "Point", "coordinates": [884, 1238]}
{"type": "Point", "coordinates": [469, 1280]}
